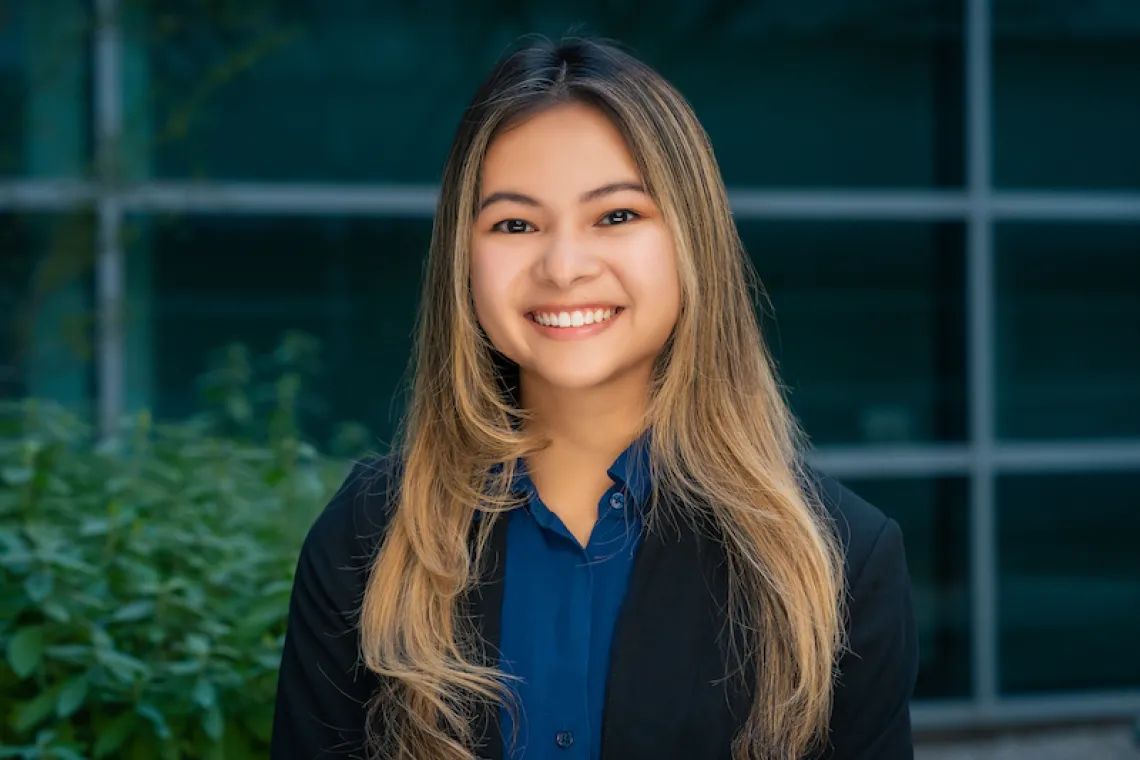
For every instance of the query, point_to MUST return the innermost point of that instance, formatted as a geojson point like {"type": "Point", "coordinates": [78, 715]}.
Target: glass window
{"type": "Point", "coordinates": [46, 317]}
{"type": "Point", "coordinates": [933, 514]}
{"type": "Point", "coordinates": [1068, 339]}
{"type": "Point", "coordinates": [868, 326]}
{"type": "Point", "coordinates": [44, 88]}
{"type": "Point", "coordinates": [1069, 586]}
{"type": "Point", "coordinates": [1065, 81]}
{"type": "Point", "coordinates": [201, 283]}
{"type": "Point", "coordinates": [795, 94]}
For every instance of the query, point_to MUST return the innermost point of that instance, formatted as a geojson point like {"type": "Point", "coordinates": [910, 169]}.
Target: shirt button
{"type": "Point", "coordinates": [617, 500]}
{"type": "Point", "coordinates": [564, 739]}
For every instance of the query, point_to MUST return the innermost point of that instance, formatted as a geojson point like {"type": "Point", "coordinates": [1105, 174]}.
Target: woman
{"type": "Point", "coordinates": [597, 538]}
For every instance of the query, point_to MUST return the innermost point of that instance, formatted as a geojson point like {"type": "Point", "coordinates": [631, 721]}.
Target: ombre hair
{"type": "Point", "coordinates": [724, 446]}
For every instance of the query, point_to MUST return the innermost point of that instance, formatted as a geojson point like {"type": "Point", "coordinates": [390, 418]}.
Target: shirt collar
{"type": "Point", "coordinates": [631, 471]}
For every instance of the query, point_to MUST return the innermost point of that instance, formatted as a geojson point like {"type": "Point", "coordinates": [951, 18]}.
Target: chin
{"type": "Point", "coordinates": [575, 379]}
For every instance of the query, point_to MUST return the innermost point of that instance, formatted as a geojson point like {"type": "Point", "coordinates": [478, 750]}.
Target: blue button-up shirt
{"type": "Point", "coordinates": [560, 608]}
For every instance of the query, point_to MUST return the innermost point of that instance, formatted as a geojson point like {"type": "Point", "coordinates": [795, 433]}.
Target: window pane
{"type": "Point", "coordinates": [46, 317]}
{"type": "Point", "coordinates": [43, 88]}
{"type": "Point", "coordinates": [1065, 107]}
{"type": "Point", "coordinates": [1068, 336]}
{"type": "Point", "coordinates": [199, 283]}
{"type": "Point", "coordinates": [933, 515]}
{"type": "Point", "coordinates": [869, 326]}
{"type": "Point", "coordinates": [1070, 581]}
{"type": "Point", "coordinates": [814, 93]}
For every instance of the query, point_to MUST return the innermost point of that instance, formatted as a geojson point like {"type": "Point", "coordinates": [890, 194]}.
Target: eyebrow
{"type": "Point", "coordinates": [586, 197]}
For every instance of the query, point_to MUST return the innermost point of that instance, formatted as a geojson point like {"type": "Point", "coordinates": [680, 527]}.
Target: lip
{"type": "Point", "coordinates": [573, 333]}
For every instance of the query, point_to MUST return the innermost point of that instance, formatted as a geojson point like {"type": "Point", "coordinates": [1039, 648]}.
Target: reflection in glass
{"type": "Point", "coordinates": [1068, 338]}
{"type": "Point", "coordinates": [868, 327]}
{"type": "Point", "coordinates": [1065, 110]}
{"type": "Point", "coordinates": [44, 55]}
{"type": "Point", "coordinates": [1069, 605]}
{"type": "Point", "coordinates": [933, 515]}
{"type": "Point", "coordinates": [201, 283]}
{"type": "Point", "coordinates": [793, 94]}
{"type": "Point", "coordinates": [46, 317]}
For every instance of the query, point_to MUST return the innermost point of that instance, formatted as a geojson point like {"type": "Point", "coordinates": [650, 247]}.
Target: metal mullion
{"type": "Point", "coordinates": [981, 338]}
{"type": "Point", "coordinates": [110, 277]}
{"type": "Point", "coordinates": [1066, 206]}
{"type": "Point", "coordinates": [1047, 709]}
{"type": "Point", "coordinates": [45, 195]}
{"type": "Point", "coordinates": [418, 200]}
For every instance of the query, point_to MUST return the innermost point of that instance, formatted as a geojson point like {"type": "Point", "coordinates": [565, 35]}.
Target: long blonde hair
{"type": "Point", "coordinates": [722, 436]}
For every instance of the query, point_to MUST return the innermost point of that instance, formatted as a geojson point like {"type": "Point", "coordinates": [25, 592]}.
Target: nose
{"type": "Point", "coordinates": [567, 260]}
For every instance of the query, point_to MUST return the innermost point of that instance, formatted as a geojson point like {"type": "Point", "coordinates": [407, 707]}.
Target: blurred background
{"type": "Point", "coordinates": [213, 216]}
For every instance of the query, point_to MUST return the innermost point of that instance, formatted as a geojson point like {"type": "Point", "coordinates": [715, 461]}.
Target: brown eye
{"type": "Point", "coordinates": [621, 216]}
{"type": "Point", "coordinates": [513, 226]}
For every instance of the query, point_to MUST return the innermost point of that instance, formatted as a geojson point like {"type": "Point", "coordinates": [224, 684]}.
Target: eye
{"type": "Point", "coordinates": [513, 226]}
{"type": "Point", "coordinates": [620, 216]}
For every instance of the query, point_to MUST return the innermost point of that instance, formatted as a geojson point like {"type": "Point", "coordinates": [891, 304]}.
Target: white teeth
{"type": "Point", "coordinates": [573, 318]}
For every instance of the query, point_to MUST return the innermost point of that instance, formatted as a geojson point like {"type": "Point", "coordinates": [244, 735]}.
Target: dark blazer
{"type": "Point", "coordinates": [667, 695]}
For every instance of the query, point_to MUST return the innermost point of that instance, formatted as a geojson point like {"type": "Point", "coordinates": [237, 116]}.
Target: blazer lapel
{"type": "Point", "coordinates": [485, 607]}
{"type": "Point", "coordinates": [667, 695]}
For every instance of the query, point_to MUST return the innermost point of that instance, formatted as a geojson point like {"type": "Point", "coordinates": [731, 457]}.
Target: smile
{"type": "Point", "coordinates": [574, 318]}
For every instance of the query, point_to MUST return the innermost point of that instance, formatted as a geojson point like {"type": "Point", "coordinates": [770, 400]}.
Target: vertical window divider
{"type": "Point", "coordinates": [980, 355]}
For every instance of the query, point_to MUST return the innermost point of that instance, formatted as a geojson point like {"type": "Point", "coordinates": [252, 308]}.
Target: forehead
{"type": "Point", "coordinates": [569, 148]}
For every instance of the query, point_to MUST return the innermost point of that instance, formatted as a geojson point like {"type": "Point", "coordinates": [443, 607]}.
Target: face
{"type": "Point", "coordinates": [572, 265]}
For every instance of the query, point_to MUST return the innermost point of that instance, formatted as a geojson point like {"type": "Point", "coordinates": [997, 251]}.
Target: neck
{"type": "Point", "coordinates": [591, 423]}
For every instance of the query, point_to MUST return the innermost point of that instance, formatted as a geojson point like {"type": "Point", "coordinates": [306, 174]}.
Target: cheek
{"type": "Point", "coordinates": [651, 273]}
{"type": "Point", "coordinates": [490, 292]}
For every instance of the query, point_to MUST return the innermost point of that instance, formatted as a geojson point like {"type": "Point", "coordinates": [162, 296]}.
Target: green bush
{"type": "Point", "coordinates": [144, 585]}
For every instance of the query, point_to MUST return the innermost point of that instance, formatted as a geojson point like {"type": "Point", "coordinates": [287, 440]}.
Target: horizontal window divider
{"type": "Point", "coordinates": [1070, 456]}
{"type": "Point", "coordinates": [1071, 206]}
{"type": "Point", "coordinates": [418, 200]}
{"type": "Point", "coordinates": [46, 195]}
{"type": "Point", "coordinates": [957, 459]}
{"type": "Point", "coordinates": [930, 716]}
{"type": "Point", "coordinates": [902, 460]}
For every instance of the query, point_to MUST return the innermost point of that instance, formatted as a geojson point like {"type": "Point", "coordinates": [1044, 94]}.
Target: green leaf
{"type": "Point", "coordinates": [124, 667]}
{"type": "Point", "coordinates": [71, 696]}
{"type": "Point", "coordinates": [151, 713]}
{"type": "Point", "coordinates": [25, 650]}
{"type": "Point", "coordinates": [38, 585]}
{"type": "Point", "coordinates": [30, 714]}
{"type": "Point", "coordinates": [77, 654]}
{"type": "Point", "coordinates": [56, 611]}
{"type": "Point", "coordinates": [16, 476]}
{"type": "Point", "coordinates": [213, 724]}
{"type": "Point", "coordinates": [113, 735]}
{"type": "Point", "coordinates": [134, 611]}
{"type": "Point", "coordinates": [197, 644]}
{"type": "Point", "coordinates": [64, 753]}
{"type": "Point", "coordinates": [204, 694]}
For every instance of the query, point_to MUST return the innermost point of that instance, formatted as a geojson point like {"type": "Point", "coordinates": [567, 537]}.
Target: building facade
{"type": "Point", "coordinates": [942, 198]}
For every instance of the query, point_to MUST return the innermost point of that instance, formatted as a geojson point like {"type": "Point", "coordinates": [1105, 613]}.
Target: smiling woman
{"type": "Point", "coordinates": [597, 538]}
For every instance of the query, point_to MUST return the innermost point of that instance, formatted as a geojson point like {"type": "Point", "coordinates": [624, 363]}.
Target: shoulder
{"type": "Point", "coordinates": [349, 529]}
{"type": "Point", "coordinates": [862, 527]}
{"type": "Point", "coordinates": [879, 667]}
